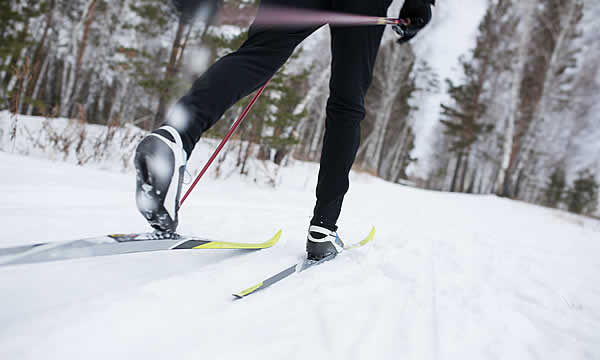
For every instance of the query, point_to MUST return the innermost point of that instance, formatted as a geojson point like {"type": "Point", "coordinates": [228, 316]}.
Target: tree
{"type": "Point", "coordinates": [16, 34]}
{"type": "Point", "coordinates": [281, 136]}
{"type": "Point", "coordinates": [471, 150]}
{"type": "Point", "coordinates": [392, 88]}
{"type": "Point", "coordinates": [544, 87]}
{"type": "Point", "coordinates": [463, 122]}
{"type": "Point", "coordinates": [582, 196]}
{"type": "Point", "coordinates": [554, 192]}
{"type": "Point", "coordinates": [155, 18]}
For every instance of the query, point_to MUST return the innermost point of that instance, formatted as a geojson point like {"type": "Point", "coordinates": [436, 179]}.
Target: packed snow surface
{"type": "Point", "coordinates": [448, 276]}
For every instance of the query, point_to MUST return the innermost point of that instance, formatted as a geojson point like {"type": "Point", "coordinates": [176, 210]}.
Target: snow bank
{"type": "Point", "coordinates": [113, 148]}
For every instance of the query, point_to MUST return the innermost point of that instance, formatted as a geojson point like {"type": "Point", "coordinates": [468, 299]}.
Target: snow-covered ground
{"type": "Point", "coordinates": [448, 276]}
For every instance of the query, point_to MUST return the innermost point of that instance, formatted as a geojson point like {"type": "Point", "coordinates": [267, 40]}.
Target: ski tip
{"type": "Point", "coordinates": [271, 241]}
{"type": "Point", "coordinates": [364, 241]}
{"type": "Point", "coordinates": [275, 238]}
{"type": "Point", "coordinates": [248, 291]}
{"type": "Point", "coordinates": [369, 237]}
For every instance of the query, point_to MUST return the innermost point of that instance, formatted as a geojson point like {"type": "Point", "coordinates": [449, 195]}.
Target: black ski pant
{"type": "Point", "coordinates": [354, 50]}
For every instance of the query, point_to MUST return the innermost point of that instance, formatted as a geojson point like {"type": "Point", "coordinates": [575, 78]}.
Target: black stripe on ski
{"type": "Point", "coordinates": [190, 244]}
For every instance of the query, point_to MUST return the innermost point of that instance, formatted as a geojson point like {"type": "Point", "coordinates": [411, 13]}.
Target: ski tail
{"type": "Point", "coordinates": [298, 268]}
{"type": "Point", "coordinates": [268, 282]}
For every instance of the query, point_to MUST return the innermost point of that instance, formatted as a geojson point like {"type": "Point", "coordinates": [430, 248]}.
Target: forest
{"type": "Point", "coordinates": [520, 121]}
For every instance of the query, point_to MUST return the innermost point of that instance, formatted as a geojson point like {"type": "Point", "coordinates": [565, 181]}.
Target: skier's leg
{"type": "Point", "coordinates": [236, 75]}
{"type": "Point", "coordinates": [354, 51]}
{"type": "Point", "coordinates": [161, 158]}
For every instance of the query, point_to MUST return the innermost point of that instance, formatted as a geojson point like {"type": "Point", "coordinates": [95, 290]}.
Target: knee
{"type": "Point", "coordinates": [347, 110]}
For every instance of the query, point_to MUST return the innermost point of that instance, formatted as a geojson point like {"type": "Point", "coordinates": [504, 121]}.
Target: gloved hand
{"type": "Point", "coordinates": [417, 14]}
{"type": "Point", "coordinates": [187, 10]}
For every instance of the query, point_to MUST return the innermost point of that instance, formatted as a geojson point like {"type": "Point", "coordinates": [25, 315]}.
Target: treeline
{"type": "Point", "coordinates": [124, 61]}
{"type": "Point", "coordinates": [514, 125]}
{"type": "Point", "coordinates": [516, 122]}
{"type": "Point", "coordinates": [94, 58]}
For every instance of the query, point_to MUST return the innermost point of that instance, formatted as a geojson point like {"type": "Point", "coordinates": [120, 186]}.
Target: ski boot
{"type": "Point", "coordinates": [160, 166]}
{"type": "Point", "coordinates": [322, 243]}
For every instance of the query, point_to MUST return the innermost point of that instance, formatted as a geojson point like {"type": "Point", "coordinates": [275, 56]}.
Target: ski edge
{"type": "Point", "coordinates": [293, 269]}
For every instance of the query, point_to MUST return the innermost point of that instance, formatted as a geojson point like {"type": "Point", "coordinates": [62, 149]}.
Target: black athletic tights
{"type": "Point", "coordinates": [354, 50]}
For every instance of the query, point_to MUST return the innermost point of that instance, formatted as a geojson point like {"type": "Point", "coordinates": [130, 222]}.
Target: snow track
{"type": "Point", "coordinates": [447, 277]}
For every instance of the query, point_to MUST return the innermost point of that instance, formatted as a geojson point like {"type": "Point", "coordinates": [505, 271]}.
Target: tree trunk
{"type": "Point", "coordinates": [172, 68]}
{"type": "Point", "coordinates": [464, 171]}
{"type": "Point", "coordinates": [554, 67]}
{"type": "Point", "coordinates": [16, 56]}
{"type": "Point", "coordinates": [456, 172]}
{"type": "Point", "coordinates": [38, 70]}
{"type": "Point", "coordinates": [73, 75]}
{"type": "Point", "coordinates": [38, 82]}
{"type": "Point", "coordinates": [471, 187]}
{"type": "Point", "coordinates": [510, 146]}
{"type": "Point", "coordinates": [390, 85]}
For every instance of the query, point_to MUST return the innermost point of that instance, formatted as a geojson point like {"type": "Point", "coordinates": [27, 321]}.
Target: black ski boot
{"type": "Point", "coordinates": [322, 243]}
{"type": "Point", "coordinates": [160, 166]}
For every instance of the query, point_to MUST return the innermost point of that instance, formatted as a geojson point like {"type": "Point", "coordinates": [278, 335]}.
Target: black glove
{"type": "Point", "coordinates": [187, 10]}
{"type": "Point", "coordinates": [417, 14]}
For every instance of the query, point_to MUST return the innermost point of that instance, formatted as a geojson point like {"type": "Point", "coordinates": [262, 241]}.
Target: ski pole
{"type": "Point", "coordinates": [225, 139]}
{"type": "Point", "coordinates": [282, 16]}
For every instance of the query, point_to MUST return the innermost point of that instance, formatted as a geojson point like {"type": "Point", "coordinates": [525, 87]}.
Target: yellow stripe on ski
{"type": "Point", "coordinates": [233, 245]}
{"type": "Point", "coordinates": [294, 269]}
{"type": "Point", "coordinates": [365, 241]}
{"type": "Point", "coordinates": [248, 291]}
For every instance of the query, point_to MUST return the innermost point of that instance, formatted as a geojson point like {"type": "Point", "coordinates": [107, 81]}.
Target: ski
{"type": "Point", "coordinates": [117, 244]}
{"type": "Point", "coordinates": [299, 267]}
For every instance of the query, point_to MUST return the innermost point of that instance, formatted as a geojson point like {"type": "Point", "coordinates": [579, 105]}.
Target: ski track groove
{"type": "Point", "coordinates": [434, 305]}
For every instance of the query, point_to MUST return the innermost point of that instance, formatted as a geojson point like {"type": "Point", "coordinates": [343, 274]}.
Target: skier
{"type": "Point", "coordinates": [161, 157]}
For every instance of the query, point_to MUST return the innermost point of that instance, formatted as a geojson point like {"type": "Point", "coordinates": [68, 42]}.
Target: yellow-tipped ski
{"type": "Point", "coordinates": [296, 268]}
{"type": "Point", "coordinates": [233, 245]}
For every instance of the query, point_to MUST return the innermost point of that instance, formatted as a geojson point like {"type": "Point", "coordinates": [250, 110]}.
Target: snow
{"type": "Point", "coordinates": [448, 276]}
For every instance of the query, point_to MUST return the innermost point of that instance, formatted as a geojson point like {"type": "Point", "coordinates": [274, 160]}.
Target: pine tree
{"type": "Point", "coordinates": [463, 122]}
{"type": "Point", "coordinates": [281, 138]}
{"type": "Point", "coordinates": [554, 192]}
{"type": "Point", "coordinates": [582, 196]}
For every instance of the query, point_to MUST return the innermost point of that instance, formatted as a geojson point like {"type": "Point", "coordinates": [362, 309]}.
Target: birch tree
{"type": "Point", "coordinates": [554, 27]}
